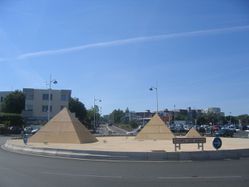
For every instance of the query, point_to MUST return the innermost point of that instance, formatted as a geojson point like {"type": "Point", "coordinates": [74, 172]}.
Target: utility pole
{"type": "Point", "coordinates": [49, 93]}
{"type": "Point", "coordinates": [155, 88]}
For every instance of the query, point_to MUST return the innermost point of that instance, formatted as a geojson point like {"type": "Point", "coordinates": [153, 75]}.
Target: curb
{"type": "Point", "coordinates": [135, 156]}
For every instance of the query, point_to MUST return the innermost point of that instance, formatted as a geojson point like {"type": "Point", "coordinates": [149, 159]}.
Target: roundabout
{"type": "Point", "coordinates": [65, 136]}
{"type": "Point", "coordinates": [127, 148]}
{"type": "Point", "coordinates": [28, 170]}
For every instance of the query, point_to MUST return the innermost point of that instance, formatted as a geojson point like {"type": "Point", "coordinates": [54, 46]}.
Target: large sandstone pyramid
{"type": "Point", "coordinates": [155, 129]}
{"type": "Point", "coordinates": [192, 133]}
{"type": "Point", "coordinates": [63, 128]}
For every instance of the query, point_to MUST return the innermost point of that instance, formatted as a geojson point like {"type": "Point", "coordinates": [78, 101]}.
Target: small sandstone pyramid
{"type": "Point", "coordinates": [155, 129]}
{"type": "Point", "coordinates": [192, 133]}
{"type": "Point", "coordinates": [63, 128]}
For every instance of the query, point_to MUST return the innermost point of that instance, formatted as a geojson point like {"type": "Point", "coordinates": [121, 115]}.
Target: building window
{"type": "Point", "coordinates": [29, 107]}
{"type": "Point", "coordinates": [30, 97]}
{"type": "Point", "coordinates": [64, 97]}
{"type": "Point", "coordinates": [45, 108]}
{"type": "Point", "coordinates": [45, 97]}
{"type": "Point", "coordinates": [1, 99]}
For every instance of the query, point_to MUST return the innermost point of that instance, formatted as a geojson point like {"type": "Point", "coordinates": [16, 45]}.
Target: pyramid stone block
{"type": "Point", "coordinates": [192, 133]}
{"type": "Point", "coordinates": [155, 129]}
{"type": "Point", "coordinates": [63, 128]}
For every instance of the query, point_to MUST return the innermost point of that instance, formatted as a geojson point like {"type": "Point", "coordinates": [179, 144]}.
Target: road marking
{"type": "Point", "coordinates": [82, 175]}
{"type": "Point", "coordinates": [159, 178]}
{"type": "Point", "coordinates": [199, 177]}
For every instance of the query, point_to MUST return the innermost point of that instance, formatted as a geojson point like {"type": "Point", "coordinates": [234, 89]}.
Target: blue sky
{"type": "Point", "coordinates": [196, 52]}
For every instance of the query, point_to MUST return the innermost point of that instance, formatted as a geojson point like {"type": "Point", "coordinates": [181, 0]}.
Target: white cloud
{"type": "Point", "coordinates": [133, 40]}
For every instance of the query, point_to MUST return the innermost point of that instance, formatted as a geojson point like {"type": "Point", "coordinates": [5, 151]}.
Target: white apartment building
{"type": "Point", "coordinates": [37, 101]}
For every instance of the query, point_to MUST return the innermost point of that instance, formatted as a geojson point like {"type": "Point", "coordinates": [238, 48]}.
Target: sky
{"type": "Point", "coordinates": [195, 52]}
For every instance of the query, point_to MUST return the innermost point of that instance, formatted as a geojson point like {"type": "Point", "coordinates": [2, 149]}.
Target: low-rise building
{"type": "Point", "coordinates": [215, 110]}
{"type": "Point", "coordinates": [37, 102]}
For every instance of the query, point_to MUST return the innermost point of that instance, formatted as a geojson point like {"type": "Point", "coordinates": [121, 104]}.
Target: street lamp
{"type": "Point", "coordinates": [94, 111]}
{"type": "Point", "coordinates": [155, 88]}
{"type": "Point", "coordinates": [51, 81]}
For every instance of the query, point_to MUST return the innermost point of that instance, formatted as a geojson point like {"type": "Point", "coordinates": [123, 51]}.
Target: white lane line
{"type": "Point", "coordinates": [199, 177]}
{"type": "Point", "coordinates": [82, 175]}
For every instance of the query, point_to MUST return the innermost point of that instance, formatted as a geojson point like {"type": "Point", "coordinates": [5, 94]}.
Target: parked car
{"type": "Point", "coordinates": [215, 128]}
{"type": "Point", "coordinates": [245, 127]}
{"type": "Point", "coordinates": [225, 133]}
{"type": "Point", "coordinates": [31, 129]}
{"type": "Point", "coordinates": [14, 130]}
{"type": "Point", "coordinates": [232, 128]}
{"type": "Point", "coordinates": [134, 131]}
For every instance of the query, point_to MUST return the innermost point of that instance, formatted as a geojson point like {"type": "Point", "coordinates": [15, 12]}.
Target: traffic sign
{"type": "Point", "coordinates": [217, 143]}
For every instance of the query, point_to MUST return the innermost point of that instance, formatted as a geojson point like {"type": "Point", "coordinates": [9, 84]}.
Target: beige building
{"type": "Point", "coordinates": [37, 101]}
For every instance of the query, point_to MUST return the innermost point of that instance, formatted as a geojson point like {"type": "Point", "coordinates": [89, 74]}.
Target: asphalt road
{"type": "Point", "coordinates": [34, 171]}
{"type": "Point", "coordinates": [105, 129]}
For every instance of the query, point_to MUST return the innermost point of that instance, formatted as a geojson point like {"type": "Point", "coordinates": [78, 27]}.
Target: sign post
{"type": "Point", "coordinates": [217, 143]}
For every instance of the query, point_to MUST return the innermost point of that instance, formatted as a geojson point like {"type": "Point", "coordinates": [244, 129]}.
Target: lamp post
{"type": "Point", "coordinates": [155, 88]}
{"type": "Point", "coordinates": [94, 111]}
{"type": "Point", "coordinates": [51, 81]}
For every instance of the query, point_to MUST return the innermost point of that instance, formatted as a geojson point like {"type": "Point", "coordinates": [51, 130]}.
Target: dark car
{"type": "Point", "coordinates": [225, 133]}
{"type": "Point", "coordinates": [14, 130]}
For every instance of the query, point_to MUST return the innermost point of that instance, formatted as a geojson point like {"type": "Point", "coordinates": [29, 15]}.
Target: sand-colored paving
{"type": "Point", "coordinates": [130, 144]}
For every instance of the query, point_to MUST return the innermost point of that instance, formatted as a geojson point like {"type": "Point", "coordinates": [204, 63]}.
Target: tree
{"type": "Point", "coordinates": [77, 107]}
{"type": "Point", "coordinates": [14, 102]}
{"type": "Point", "coordinates": [116, 116]}
{"type": "Point", "coordinates": [10, 119]}
{"type": "Point", "coordinates": [133, 124]}
{"type": "Point", "coordinates": [202, 119]}
{"type": "Point", "coordinates": [90, 115]}
{"type": "Point", "coordinates": [244, 119]}
{"type": "Point", "coordinates": [181, 117]}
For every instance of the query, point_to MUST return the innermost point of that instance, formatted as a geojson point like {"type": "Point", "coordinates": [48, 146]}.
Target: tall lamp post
{"type": "Point", "coordinates": [94, 111]}
{"type": "Point", "coordinates": [51, 81]}
{"type": "Point", "coordinates": [155, 88]}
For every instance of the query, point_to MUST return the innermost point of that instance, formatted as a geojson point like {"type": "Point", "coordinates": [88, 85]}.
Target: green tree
{"type": "Point", "coordinates": [244, 119]}
{"type": "Point", "coordinates": [14, 102]}
{"type": "Point", "coordinates": [116, 116]}
{"type": "Point", "coordinates": [77, 107]}
{"type": "Point", "coordinates": [11, 119]}
{"type": "Point", "coordinates": [133, 124]}
{"type": "Point", "coordinates": [90, 115]}
{"type": "Point", "coordinates": [202, 119]}
{"type": "Point", "coordinates": [181, 117]}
